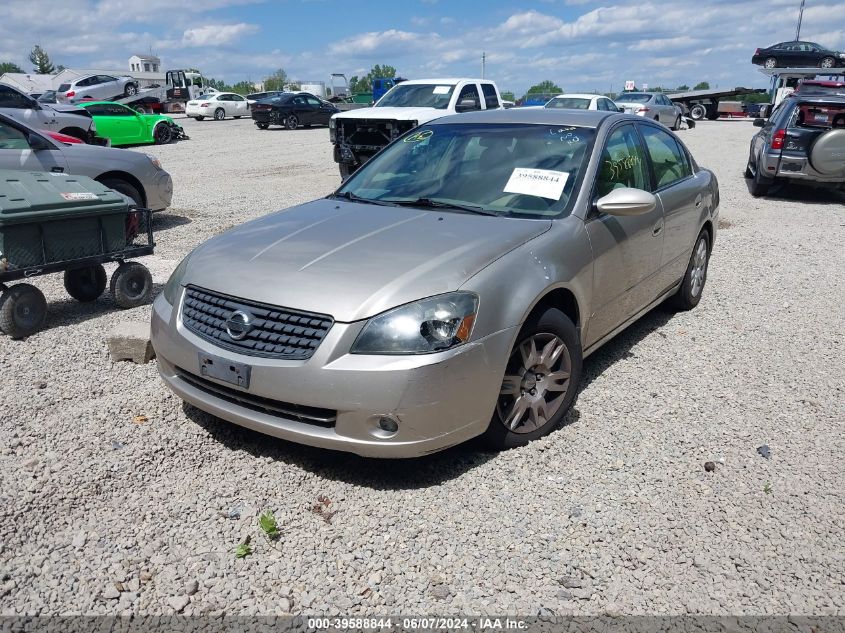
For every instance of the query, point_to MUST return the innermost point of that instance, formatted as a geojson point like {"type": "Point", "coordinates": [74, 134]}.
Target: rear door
{"type": "Point", "coordinates": [315, 116]}
{"type": "Point", "coordinates": [16, 152]}
{"type": "Point", "coordinates": [108, 87]}
{"type": "Point", "coordinates": [491, 99]}
{"type": "Point", "coordinates": [238, 105]}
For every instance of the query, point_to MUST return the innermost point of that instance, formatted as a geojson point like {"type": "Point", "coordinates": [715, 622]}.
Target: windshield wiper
{"type": "Point", "coordinates": [348, 195]}
{"type": "Point", "coordinates": [429, 203]}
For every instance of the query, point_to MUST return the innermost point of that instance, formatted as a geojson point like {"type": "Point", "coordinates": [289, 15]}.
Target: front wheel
{"type": "Point", "coordinates": [163, 134]}
{"type": "Point", "coordinates": [199, 118]}
{"type": "Point", "coordinates": [346, 170]}
{"type": "Point", "coordinates": [219, 114]}
{"type": "Point", "coordinates": [770, 62]}
{"type": "Point", "coordinates": [131, 285]}
{"type": "Point", "coordinates": [23, 309]}
{"type": "Point", "coordinates": [697, 112]}
{"type": "Point", "coordinates": [262, 126]}
{"type": "Point", "coordinates": [292, 122]}
{"type": "Point", "coordinates": [540, 383]}
{"type": "Point", "coordinates": [677, 124]}
{"type": "Point", "coordinates": [689, 294]}
{"type": "Point", "coordinates": [827, 62]}
{"type": "Point", "coordinates": [130, 90]}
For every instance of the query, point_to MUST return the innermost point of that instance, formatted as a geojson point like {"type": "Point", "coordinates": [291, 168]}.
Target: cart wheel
{"type": "Point", "coordinates": [23, 309]}
{"type": "Point", "coordinates": [131, 285]}
{"type": "Point", "coordinates": [86, 284]}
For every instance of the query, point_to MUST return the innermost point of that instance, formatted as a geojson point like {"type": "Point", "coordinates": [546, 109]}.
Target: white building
{"type": "Point", "coordinates": [28, 82]}
{"type": "Point", "coordinates": [144, 64]}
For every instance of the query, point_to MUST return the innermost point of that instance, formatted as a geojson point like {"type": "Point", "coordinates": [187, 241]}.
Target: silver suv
{"type": "Point", "coordinates": [802, 141]}
{"type": "Point", "coordinates": [70, 120]}
{"type": "Point", "coordinates": [96, 88]}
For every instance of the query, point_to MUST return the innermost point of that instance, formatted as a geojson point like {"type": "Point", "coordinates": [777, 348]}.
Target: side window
{"type": "Point", "coordinates": [12, 138]}
{"type": "Point", "coordinates": [667, 158]}
{"type": "Point", "coordinates": [237, 98]}
{"type": "Point", "coordinates": [103, 79]}
{"type": "Point", "coordinates": [98, 110]}
{"type": "Point", "coordinates": [470, 92]}
{"type": "Point", "coordinates": [313, 101]}
{"type": "Point", "coordinates": [491, 101]}
{"type": "Point", "coordinates": [116, 110]}
{"type": "Point", "coordinates": [13, 99]}
{"type": "Point", "coordinates": [623, 163]}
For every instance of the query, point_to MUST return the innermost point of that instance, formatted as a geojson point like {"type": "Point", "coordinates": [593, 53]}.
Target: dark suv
{"type": "Point", "coordinates": [802, 141]}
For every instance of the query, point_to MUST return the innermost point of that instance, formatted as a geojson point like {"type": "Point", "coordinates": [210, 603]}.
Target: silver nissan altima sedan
{"type": "Point", "coordinates": [450, 288]}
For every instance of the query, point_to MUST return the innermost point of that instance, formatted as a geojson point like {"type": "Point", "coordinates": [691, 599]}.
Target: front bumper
{"type": "Point", "coordinates": [159, 191]}
{"type": "Point", "coordinates": [438, 400]}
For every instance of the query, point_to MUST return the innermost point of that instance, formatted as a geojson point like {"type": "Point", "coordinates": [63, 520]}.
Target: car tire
{"type": "Point", "coordinates": [291, 122]}
{"type": "Point", "coordinates": [86, 284]}
{"type": "Point", "coordinates": [262, 126]}
{"type": "Point", "coordinates": [770, 62]}
{"type": "Point", "coordinates": [130, 90]}
{"type": "Point", "coordinates": [760, 184]}
{"type": "Point", "coordinates": [131, 285]}
{"type": "Point", "coordinates": [128, 190]}
{"type": "Point", "coordinates": [23, 310]}
{"type": "Point", "coordinates": [697, 112]}
{"type": "Point", "coordinates": [526, 409]}
{"type": "Point", "coordinates": [677, 125]}
{"type": "Point", "coordinates": [163, 134]}
{"type": "Point", "coordinates": [219, 114]}
{"type": "Point", "coordinates": [827, 62]}
{"type": "Point", "coordinates": [199, 118]}
{"type": "Point", "coordinates": [692, 287]}
{"type": "Point", "coordinates": [346, 170]}
{"type": "Point", "coordinates": [748, 173]}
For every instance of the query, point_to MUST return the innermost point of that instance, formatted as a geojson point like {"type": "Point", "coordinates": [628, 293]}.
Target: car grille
{"type": "Point", "coordinates": [325, 418]}
{"type": "Point", "coordinates": [275, 332]}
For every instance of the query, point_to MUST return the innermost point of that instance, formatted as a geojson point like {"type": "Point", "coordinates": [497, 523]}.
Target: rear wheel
{"type": "Point", "coordinates": [262, 126]}
{"type": "Point", "coordinates": [23, 310]}
{"type": "Point", "coordinates": [677, 125]}
{"type": "Point", "coordinates": [125, 188]}
{"type": "Point", "coordinates": [163, 134]}
{"type": "Point", "coordinates": [199, 118]}
{"type": "Point", "coordinates": [86, 284]}
{"type": "Point", "coordinates": [759, 183]}
{"type": "Point", "coordinates": [346, 170]}
{"type": "Point", "coordinates": [540, 383]}
{"type": "Point", "coordinates": [219, 114]}
{"type": "Point", "coordinates": [770, 62]}
{"type": "Point", "coordinates": [292, 122]}
{"type": "Point", "coordinates": [689, 294]}
{"type": "Point", "coordinates": [697, 112]}
{"type": "Point", "coordinates": [827, 62]}
{"type": "Point", "coordinates": [131, 285]}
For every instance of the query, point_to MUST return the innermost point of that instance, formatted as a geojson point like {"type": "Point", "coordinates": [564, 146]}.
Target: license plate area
{"type": "Point", "coordinates": [224, 369]}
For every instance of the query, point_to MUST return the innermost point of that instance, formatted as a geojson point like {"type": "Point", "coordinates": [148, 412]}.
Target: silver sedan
{"type": "Point", "coordinates": [451, 288]}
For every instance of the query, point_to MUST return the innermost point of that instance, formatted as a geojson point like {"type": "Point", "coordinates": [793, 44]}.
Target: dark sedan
{"type": "Point", "coordinates": [292, 110]}
{"type": "Point", "coordinates": [797, 55]}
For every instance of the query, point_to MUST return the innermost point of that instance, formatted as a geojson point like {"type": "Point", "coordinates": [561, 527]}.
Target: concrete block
{"type": "Point", "coordinates": [131, 341]}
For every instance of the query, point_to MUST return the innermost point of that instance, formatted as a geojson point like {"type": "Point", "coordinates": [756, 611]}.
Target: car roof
{"type": "Point", "coordinates": [579, 95]}
{"type": "Point", "coordinates": [535, 116]}
{"type": "Point", "coordinates": [452, 80]}
{"type": "Point", "coordinates": [817, 98]}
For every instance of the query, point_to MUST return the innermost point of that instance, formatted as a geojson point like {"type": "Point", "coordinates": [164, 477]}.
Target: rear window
{"type": "Point", "coordinates": [569, 103]}
{"type": "Point", "coordinates": [634, 97]}
{"type": "Point", "coordinates": [818, 115]}
{"type": "Point", "coordinates": [64, 87]}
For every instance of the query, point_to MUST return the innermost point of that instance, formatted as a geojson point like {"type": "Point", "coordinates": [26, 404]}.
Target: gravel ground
{"type": "Point", "coordinates": [116, 499]}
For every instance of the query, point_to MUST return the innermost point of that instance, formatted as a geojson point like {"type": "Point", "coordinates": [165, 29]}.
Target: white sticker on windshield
{"type": "Point", "coordinates": [542, 183]}
{"type": "Point", "coordinates": [442, 90]}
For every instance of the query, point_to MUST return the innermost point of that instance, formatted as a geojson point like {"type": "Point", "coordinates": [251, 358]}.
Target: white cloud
{"type": "Point", "coordinates": [216, 34]}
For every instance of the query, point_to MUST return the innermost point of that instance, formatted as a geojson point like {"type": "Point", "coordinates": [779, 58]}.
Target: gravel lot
{"type": "Point", "coordinates": [104, 511]}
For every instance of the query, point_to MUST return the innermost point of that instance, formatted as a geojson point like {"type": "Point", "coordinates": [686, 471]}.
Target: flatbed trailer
{"type": "Point", "coordinates": [783, 81]}
{"type": "Point", "coordinates": [704, 104]}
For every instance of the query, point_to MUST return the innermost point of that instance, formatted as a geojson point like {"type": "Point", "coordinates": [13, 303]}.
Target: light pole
{"type": "Point", "coordinates": [800, 16]}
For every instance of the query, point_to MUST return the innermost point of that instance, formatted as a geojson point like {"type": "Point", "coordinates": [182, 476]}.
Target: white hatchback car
{"type": "Point", "coordinates": [582, 102]}
{"type": "Point", "coordinates": [218, 106]}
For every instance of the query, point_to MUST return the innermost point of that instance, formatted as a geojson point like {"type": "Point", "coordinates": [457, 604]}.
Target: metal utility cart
{"type": "Point", "coordinates": [52, 222]}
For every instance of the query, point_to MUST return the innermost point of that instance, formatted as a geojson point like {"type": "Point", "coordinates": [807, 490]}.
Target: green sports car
{"type": "Point", "coordinates": [124, 126]}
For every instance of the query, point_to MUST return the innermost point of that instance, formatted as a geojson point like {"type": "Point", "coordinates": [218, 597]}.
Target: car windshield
{"type": "Point", "coordinates": [573, 103]}
{"type": "Point", "coordinates": [417, 96]}
{"type": "Point", "coordinates": [634, 97]}
{"type": "Point", "coordinates": [526, 171]}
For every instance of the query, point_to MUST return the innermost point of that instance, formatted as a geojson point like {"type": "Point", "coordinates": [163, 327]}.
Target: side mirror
{"type": "Point", "coordinates": [627, 201]}
{"type": "Point", "coordinates": [37, 143]}
{"type": "Point", "coordinates": [465, 105]}
{"type": "Point", "coordinates": [759, 122]}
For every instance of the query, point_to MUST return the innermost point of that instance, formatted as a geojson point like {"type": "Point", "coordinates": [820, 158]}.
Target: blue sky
{"type": "Point", "coordinates": [579, 44]}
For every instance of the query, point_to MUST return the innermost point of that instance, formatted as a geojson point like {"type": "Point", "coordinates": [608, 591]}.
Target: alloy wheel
{"type": "Point", "coordinates": [535, 383]}
{"type": "Point", "coordinates": [699, 268]}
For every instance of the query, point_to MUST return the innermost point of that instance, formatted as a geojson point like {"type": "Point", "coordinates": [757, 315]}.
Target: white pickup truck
{"type": "Point", "coordinates": [358, 134]}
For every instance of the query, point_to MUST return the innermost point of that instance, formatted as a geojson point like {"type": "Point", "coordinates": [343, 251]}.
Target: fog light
{"type": "Point", "coordinates": [388, 424]}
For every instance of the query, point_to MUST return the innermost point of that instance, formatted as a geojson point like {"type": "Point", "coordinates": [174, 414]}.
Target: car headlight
{"type": "Point", "coordinates": [429, 325]}
{"type": "Point", "coordinates": [174, 284]}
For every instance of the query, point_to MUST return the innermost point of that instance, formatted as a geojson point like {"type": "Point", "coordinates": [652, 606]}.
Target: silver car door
{"type": "Point", "coordinates": [17, 153]}
{"type": "Point", "coordinates": [26, 110]}
{"type": "Point", "coordinates": [682, 195]}
{"type": "Point", "coordinates": [626, 250]}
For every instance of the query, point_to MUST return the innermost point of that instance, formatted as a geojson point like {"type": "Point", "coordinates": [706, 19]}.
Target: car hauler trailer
{"type": "Point", "coordinates": [704, 104]}
{"type": "Point", "coordinates": [180, 87]}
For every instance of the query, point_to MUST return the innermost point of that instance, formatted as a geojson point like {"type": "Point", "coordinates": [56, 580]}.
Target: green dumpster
{"type": "Point", "coordinates": [47, 218]}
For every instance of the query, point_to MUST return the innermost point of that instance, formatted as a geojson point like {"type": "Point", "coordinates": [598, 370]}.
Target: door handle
{"type": "Point", "coordinates": [57, 170]}
{"type": "Point", "coordinates": [657, 228]}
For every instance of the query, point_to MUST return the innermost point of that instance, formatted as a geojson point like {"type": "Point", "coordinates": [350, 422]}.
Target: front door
{"type": "Point", "coordinates": [626, 250]}
{"type": "Point", "coordinates": [26, 110]}
{"type": "Point", "coordinates": [16, 152]}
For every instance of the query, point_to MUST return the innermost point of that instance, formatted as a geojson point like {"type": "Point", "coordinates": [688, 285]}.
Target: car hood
{"type": "Point", "coordinates": [103, 156]}
{"type": "Point", "coordinates": [420, 115]}
{"type": "Point", "coordinates": [353, 260]}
